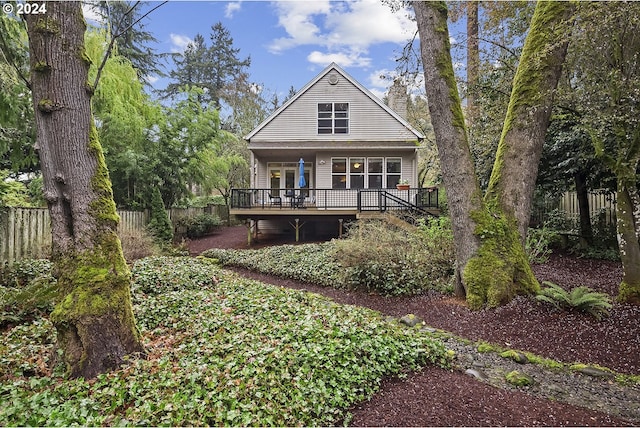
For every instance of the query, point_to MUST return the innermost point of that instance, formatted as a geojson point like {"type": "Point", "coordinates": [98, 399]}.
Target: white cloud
{"type": "Point", "coordinates": [90, 13]}
{"type": "Point", "coordinates": [344, 59]}
{"type": "Point", "coordinates": [382, 78]}
{"type": "Point", "coordinates": [232, 8]}
{"type": "Point", "coordinates": [378, 93]}
{"type": "Point", "coordinates": [179, 42]}
{"type": "Point", "coordinates": [346, 30]}
{"type": "Point", "coordinates": [297, 18]}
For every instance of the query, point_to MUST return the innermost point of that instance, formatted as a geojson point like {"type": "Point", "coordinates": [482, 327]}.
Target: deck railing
{"type": "Point", "coordinates": [328, 199]}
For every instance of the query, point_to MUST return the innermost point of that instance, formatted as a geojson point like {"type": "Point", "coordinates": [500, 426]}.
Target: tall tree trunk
{"type": "Point", "coordinates": [628, 239]}
{"type": "Point", "coordinates": [514, 173]}
{"type": "Point", "coordinates": [586, 231]}
{"type": "Point", "coordinates": [93, 318]}
{"type": "Point", "coordinates": [473, 59]}
{"type": "Point", "coordinates": [492, 264]}
{"type": "Point", "coordinates": [458, 174]}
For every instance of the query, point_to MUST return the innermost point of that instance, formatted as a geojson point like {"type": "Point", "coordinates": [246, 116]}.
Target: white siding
{"type": "Point", "coordinates": [323, 172]}
{"type": "Point", "coordinates": [367, 120]}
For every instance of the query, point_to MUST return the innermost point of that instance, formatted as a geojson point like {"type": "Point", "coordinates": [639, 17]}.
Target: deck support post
{"type": "Point", "coordinates": [297, 228]}
{"type": "Point", "coordinates": [340, 227]}
{"type": "Point", "coordinates": [250, 226]}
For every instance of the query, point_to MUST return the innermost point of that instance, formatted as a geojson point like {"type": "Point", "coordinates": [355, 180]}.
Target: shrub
{"type": "Point", "coordinates": [374, 255]}
{"type": "Point", "coordinates": [199, 225]}
{"type": "Point", "coordinates": [159, 275]}
{"type": "Point", "coordinates": [559, 220]}
{"type": "Point", "coordinates": [538, 244]}
{"type": "Point", "coordinates": [314, 263]}
{"type": "Point", "coordinates": [394, 261]}
{"type": "Point", "coordinates": [27, 291]}
{"type": "Point", "coordinates": [137, 244]}
{"type": "Point", "coordinates": [159, 226]}
{"type": "Point", "coordinates": [580, 298]}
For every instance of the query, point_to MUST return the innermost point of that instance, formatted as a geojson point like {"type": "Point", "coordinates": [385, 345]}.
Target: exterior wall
{"type": "Point", "coordinates": [367, 120]}
{"type": "Point", "coordinates": [292, 132]}
{"type": "Point", "coordinates": [323, 172]}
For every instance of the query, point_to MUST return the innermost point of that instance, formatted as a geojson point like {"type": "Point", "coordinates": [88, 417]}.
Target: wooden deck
{"type": "Point", "coordinates": [248, 203]}
{"type": "Point", "coordinates": [325, 211]}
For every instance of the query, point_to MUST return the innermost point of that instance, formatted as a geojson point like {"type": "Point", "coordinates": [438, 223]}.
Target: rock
{"type": "Point", "coordinates": [594, 371]}
{"type": "Point", "coordinates": [516, 378]}
{"type": "Point", "coordinates": [410, 320]}
{"type": "Point", "coordinates": [475, 373]}
{"type": "Point", "coordinates": [516, 356]}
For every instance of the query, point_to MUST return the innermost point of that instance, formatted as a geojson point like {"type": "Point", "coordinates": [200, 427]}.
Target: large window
{"type": "Point", "coordinates": [339, 173]}
{"type": "Point", "coordinates": [356, 173]}
{"type": "Point", "coordinates": [394, 169]}
{"type": "Point", "coordinates": [375, 172]}
{"type": "Point", "coordinates": [333, 118]}
{"type": "Point", "coordinates": [361, 172]}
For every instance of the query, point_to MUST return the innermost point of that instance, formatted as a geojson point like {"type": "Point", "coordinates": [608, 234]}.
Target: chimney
{"type": "Point", "coordinates": [397, 98]}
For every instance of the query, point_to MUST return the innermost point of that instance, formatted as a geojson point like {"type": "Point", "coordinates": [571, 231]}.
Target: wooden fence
{"type": "Point", "coordinates": [26, 232]}
{"type": "Point", "coordinates": [602, 205]}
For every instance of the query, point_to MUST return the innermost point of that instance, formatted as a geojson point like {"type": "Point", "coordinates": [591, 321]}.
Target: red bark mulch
{"type": "Point", "coordinates": [436, 397]}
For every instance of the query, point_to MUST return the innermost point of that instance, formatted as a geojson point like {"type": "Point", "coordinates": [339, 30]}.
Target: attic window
{"type": "Point", "coordinates": [333, 118]}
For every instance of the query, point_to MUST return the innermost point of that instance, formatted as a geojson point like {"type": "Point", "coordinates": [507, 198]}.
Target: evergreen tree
{"type": "Point", "coordinates": [226, 64]}
{"type": "Point", "coordinates": [17, 136]}
{"type": "Point", "coordinates": [210, 68]}
{"type": "Point", "coordinates": [160, 225]}
{"type": "Point", "coordinates": [192, 70]}
{"type": "Point", "coordinates": [124, 19]}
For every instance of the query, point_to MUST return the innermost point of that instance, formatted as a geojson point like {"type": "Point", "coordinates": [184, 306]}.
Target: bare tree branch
{"type": "Point", "coordinates": [120, 33]}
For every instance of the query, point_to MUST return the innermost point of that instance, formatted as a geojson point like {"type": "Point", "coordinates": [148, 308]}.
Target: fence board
{"type": "Point", "coordinates": [26, 232]}
{"type": "Point", "coordinates": [600, 205]}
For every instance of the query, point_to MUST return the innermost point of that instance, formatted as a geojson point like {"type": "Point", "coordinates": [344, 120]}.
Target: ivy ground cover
{"type": "Point", "coordinates": [221, 350]}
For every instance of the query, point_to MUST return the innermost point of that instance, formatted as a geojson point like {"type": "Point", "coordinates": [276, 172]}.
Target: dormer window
{"type": "Point", "coordinates": [333, 118]}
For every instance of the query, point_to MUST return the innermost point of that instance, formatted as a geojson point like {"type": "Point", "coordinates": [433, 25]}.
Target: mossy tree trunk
{"type": "Point", "coordinates": [447, 119]}
{"type": "Point", "coordinates": [492, 266]}
{"type": "Point", "coordinates": [515, 170]}
{"type": "Point", "coordinates": [93, 317]}
{"type": "Point", "coordinates": [628, 240]}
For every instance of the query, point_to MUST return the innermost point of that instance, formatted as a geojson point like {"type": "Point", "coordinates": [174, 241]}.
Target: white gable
{"type": "Point", "coordinates": [369, 118]}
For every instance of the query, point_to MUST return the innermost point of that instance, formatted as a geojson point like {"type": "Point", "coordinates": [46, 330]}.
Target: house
{"type": "Point", "coordinates": [329, 154]}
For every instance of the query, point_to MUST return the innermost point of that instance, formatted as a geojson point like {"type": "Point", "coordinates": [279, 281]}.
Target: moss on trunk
{"type": "Point", "coordinates": [94, 318]}
{"type": "Point", "coordinates": [500, 269]}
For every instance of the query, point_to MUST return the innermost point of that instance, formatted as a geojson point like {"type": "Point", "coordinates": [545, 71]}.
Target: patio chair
{"type": "Point", "coordinates": [275, 200]}
{"type": "Point", "coordinates": [299, 201]}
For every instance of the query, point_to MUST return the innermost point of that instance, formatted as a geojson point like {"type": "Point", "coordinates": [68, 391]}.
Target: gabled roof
{"type": "Point", "coordinates": [335, 67]}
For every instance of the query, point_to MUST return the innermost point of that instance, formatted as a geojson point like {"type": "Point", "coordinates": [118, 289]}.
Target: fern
{"type": "Point", "coordinates": [580, 298]}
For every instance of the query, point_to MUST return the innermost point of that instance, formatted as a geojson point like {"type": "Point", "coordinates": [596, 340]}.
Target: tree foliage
{"type": "Point", "coordinates": [124, 19]}
{"type": "Point", "coordinates": [492, 266]}
{"type": "Point", "coordinates": [125, 117]}
{"type": "Point", "coordinates": [17, 135]}
{"type": "Point", "coordinates": [608, 96]}
{"type": "Point", "coordinates": [209, 68]}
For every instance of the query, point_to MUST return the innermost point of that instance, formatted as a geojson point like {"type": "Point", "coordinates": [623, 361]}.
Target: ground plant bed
{"type": "Point", "coordinates": [567, 351]}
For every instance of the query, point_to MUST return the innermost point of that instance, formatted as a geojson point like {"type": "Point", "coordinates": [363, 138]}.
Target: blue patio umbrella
{"type": "Point", "coordinates": [302, 182]}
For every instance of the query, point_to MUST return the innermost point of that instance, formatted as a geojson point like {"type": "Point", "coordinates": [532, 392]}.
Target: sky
{"type": "Point", "coordinates": [291, 41]}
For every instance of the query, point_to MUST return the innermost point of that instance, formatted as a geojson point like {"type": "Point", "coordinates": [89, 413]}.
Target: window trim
{"type": "Point", "coordinates": [332, 117]}
{"type": "Point", "coordinates": [347, 173]}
